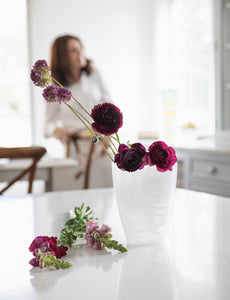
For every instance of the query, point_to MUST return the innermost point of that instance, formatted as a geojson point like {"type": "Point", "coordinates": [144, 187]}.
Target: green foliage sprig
{"type": "Point", "coordinates": [75, 228]}
{"type": "Point", "coordinates": [106, 241]}
{"type": "Point", "coordinates": [47, 259]}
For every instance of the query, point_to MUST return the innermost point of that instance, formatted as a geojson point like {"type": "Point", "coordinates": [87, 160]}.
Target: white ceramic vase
{"type": "Point", "coordinates": [145, 199]}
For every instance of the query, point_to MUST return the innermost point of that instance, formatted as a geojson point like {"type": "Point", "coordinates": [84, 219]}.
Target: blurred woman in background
{"type": "Point", "coordinates": [73, 70]}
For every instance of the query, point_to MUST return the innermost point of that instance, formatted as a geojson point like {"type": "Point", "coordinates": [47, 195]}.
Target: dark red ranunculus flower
{"type": "Point", "coordinates": [131, 159]}
{"type": "Point", "coordinates": [162, 156]}
{"type": "Point", "coordinates": [107, 118]}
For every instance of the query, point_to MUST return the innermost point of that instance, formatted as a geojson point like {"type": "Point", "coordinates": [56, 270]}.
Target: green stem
{"type": "Point", "coordinates": [106, 151]}
{"type": "Point", "coordinates": [113, 144]}
{"type": "Point", "coordinates": [117, 140]}
{"type": "Point", "coordinates": [82, 107]}
{"type": "Point", "coordinates": [109, 143]}
{"type": "Point", "coordinates": [81, 115]}
{"type": "Point", "coordinates": [81, 119]}
{"type": "Point", "coordinates": [90, 130]}
{"type": "Point", "coordinates": [57, 82]}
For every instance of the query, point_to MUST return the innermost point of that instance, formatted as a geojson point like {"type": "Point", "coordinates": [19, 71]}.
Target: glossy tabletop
{"type": "Point", "coordinates": [193, 263]}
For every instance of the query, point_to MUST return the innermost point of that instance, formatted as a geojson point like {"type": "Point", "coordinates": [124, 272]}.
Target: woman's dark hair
{"type": "Point", "coordinates": [59, 63]}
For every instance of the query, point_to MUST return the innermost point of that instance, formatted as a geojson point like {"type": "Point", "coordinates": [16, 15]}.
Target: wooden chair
{"type": "Point", "coordinates": [75, 138]}
{"type": "Point", "coordinates": [34, 153]}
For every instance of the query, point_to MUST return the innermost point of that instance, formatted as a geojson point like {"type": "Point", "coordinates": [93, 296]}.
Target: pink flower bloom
{"type": "Point", "coordinates": [93, 234]}
{"type": "Point", "coordinates": [131, 159]}
{"type": "Point", "coordinates": [92, 243]}
{"type": "Point", "coordinates": [162, 156]}
{"type": "Point", "coordinates": [91, 226]}
{"type": "Point", "coordinates": [105, 229]}
{"type": "Point", "coordinates": [107, 118]}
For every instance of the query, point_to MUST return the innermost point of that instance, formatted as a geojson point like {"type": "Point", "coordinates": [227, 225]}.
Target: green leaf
{"type": "Point", "coordinates": [75, 228]}
{"type": "Point", "coordinates": [70, 222]}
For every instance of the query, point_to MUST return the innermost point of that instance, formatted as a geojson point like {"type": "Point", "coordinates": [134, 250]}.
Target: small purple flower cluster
{"type": "Point", "coordinates": [41, 76]}
{"type": "Point", "coordinates": [136, 157]}
{"type": "Point", "coordinates": [53, 93]}
{"type": "Point", "coordinates": [43, 244]}
{"type": "Point", "coordinates": [93, 234]}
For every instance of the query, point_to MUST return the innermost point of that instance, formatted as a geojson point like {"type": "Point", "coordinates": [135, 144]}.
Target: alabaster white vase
{"type": "Point", "coordinates": [145, 201]}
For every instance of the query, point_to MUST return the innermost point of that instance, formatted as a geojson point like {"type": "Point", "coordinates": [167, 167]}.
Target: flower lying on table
{"type": "Point", "coordinates": [47, 251]}
{"type": "Point", "coordinates": [104, 122]}
{"type": "Point", "coordinates": [99, 238]}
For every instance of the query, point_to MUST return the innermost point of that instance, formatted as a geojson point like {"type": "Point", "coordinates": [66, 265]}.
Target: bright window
{"type": "Point", "coordinates": [14, 84]}
{"type": "Point", "coordinates": [193, 64]}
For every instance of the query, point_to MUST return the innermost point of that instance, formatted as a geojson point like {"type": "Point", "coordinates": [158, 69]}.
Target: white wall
{"type": "Point", "coordinates": [120, 37]}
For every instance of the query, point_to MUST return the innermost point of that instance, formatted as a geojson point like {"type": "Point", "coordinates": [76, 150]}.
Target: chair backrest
{"type": "Point", "coordinates": [34, 153]}
{"type": "Point", "coordinates": [77, 136]}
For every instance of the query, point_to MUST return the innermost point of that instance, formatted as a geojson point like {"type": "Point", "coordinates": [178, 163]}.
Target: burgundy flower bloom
{"type": "Point", "coordinates": [38, 243]}
{"type": "Point", "coordinates": [50, 94]}
{"type": "Point", "coordinates": [45, 244]}
{"type": "Point", "coordinates": [40, 74]}
{"type": "Point", "coordinates": [60, 251]}
{"type": "Point", "coordinates": [131, 159]}
{"type": "Point", "coordinates": [107, 118]}
{"type": "Point", "coordinates": [34, 261]}
{"type": "Point", "coordinates": [64, 95]}
{"type": "Point", "coordinates": [162, 156]}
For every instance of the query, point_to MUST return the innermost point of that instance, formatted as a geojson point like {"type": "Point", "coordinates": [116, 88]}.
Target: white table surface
{"type": "Point", "coordinates": [194, 265]}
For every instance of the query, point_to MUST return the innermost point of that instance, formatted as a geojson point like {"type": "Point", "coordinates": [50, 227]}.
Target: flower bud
{"type": "Point", "coordinates": [95, 139]}
{"type": "Point", "coordinates": [96, 235]}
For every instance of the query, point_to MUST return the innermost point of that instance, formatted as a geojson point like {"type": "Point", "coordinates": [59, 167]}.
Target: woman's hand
{"type": "Point", "coordinates": [63, 134]}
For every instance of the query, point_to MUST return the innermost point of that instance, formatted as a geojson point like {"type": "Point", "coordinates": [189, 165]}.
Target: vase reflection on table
{"type": "Point", "coordinates": [145, 200]}
{"type": "Point", "coordinates": [147, 273]}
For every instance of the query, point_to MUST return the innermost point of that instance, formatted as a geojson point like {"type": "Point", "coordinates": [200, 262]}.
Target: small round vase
{"type": "Point", "coordinates": [145, 199]}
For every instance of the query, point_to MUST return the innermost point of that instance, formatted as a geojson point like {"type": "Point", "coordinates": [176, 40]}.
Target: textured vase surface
{"type": "Point", "coordinates": [145, 200]}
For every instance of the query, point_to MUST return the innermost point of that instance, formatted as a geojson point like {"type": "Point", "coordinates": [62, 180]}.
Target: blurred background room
{"type": "Point", "coordinates": [165, 63]}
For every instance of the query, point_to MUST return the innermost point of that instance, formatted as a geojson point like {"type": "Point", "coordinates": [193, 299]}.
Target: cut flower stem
{"type": "Point", "coordinates": [83, 120]}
